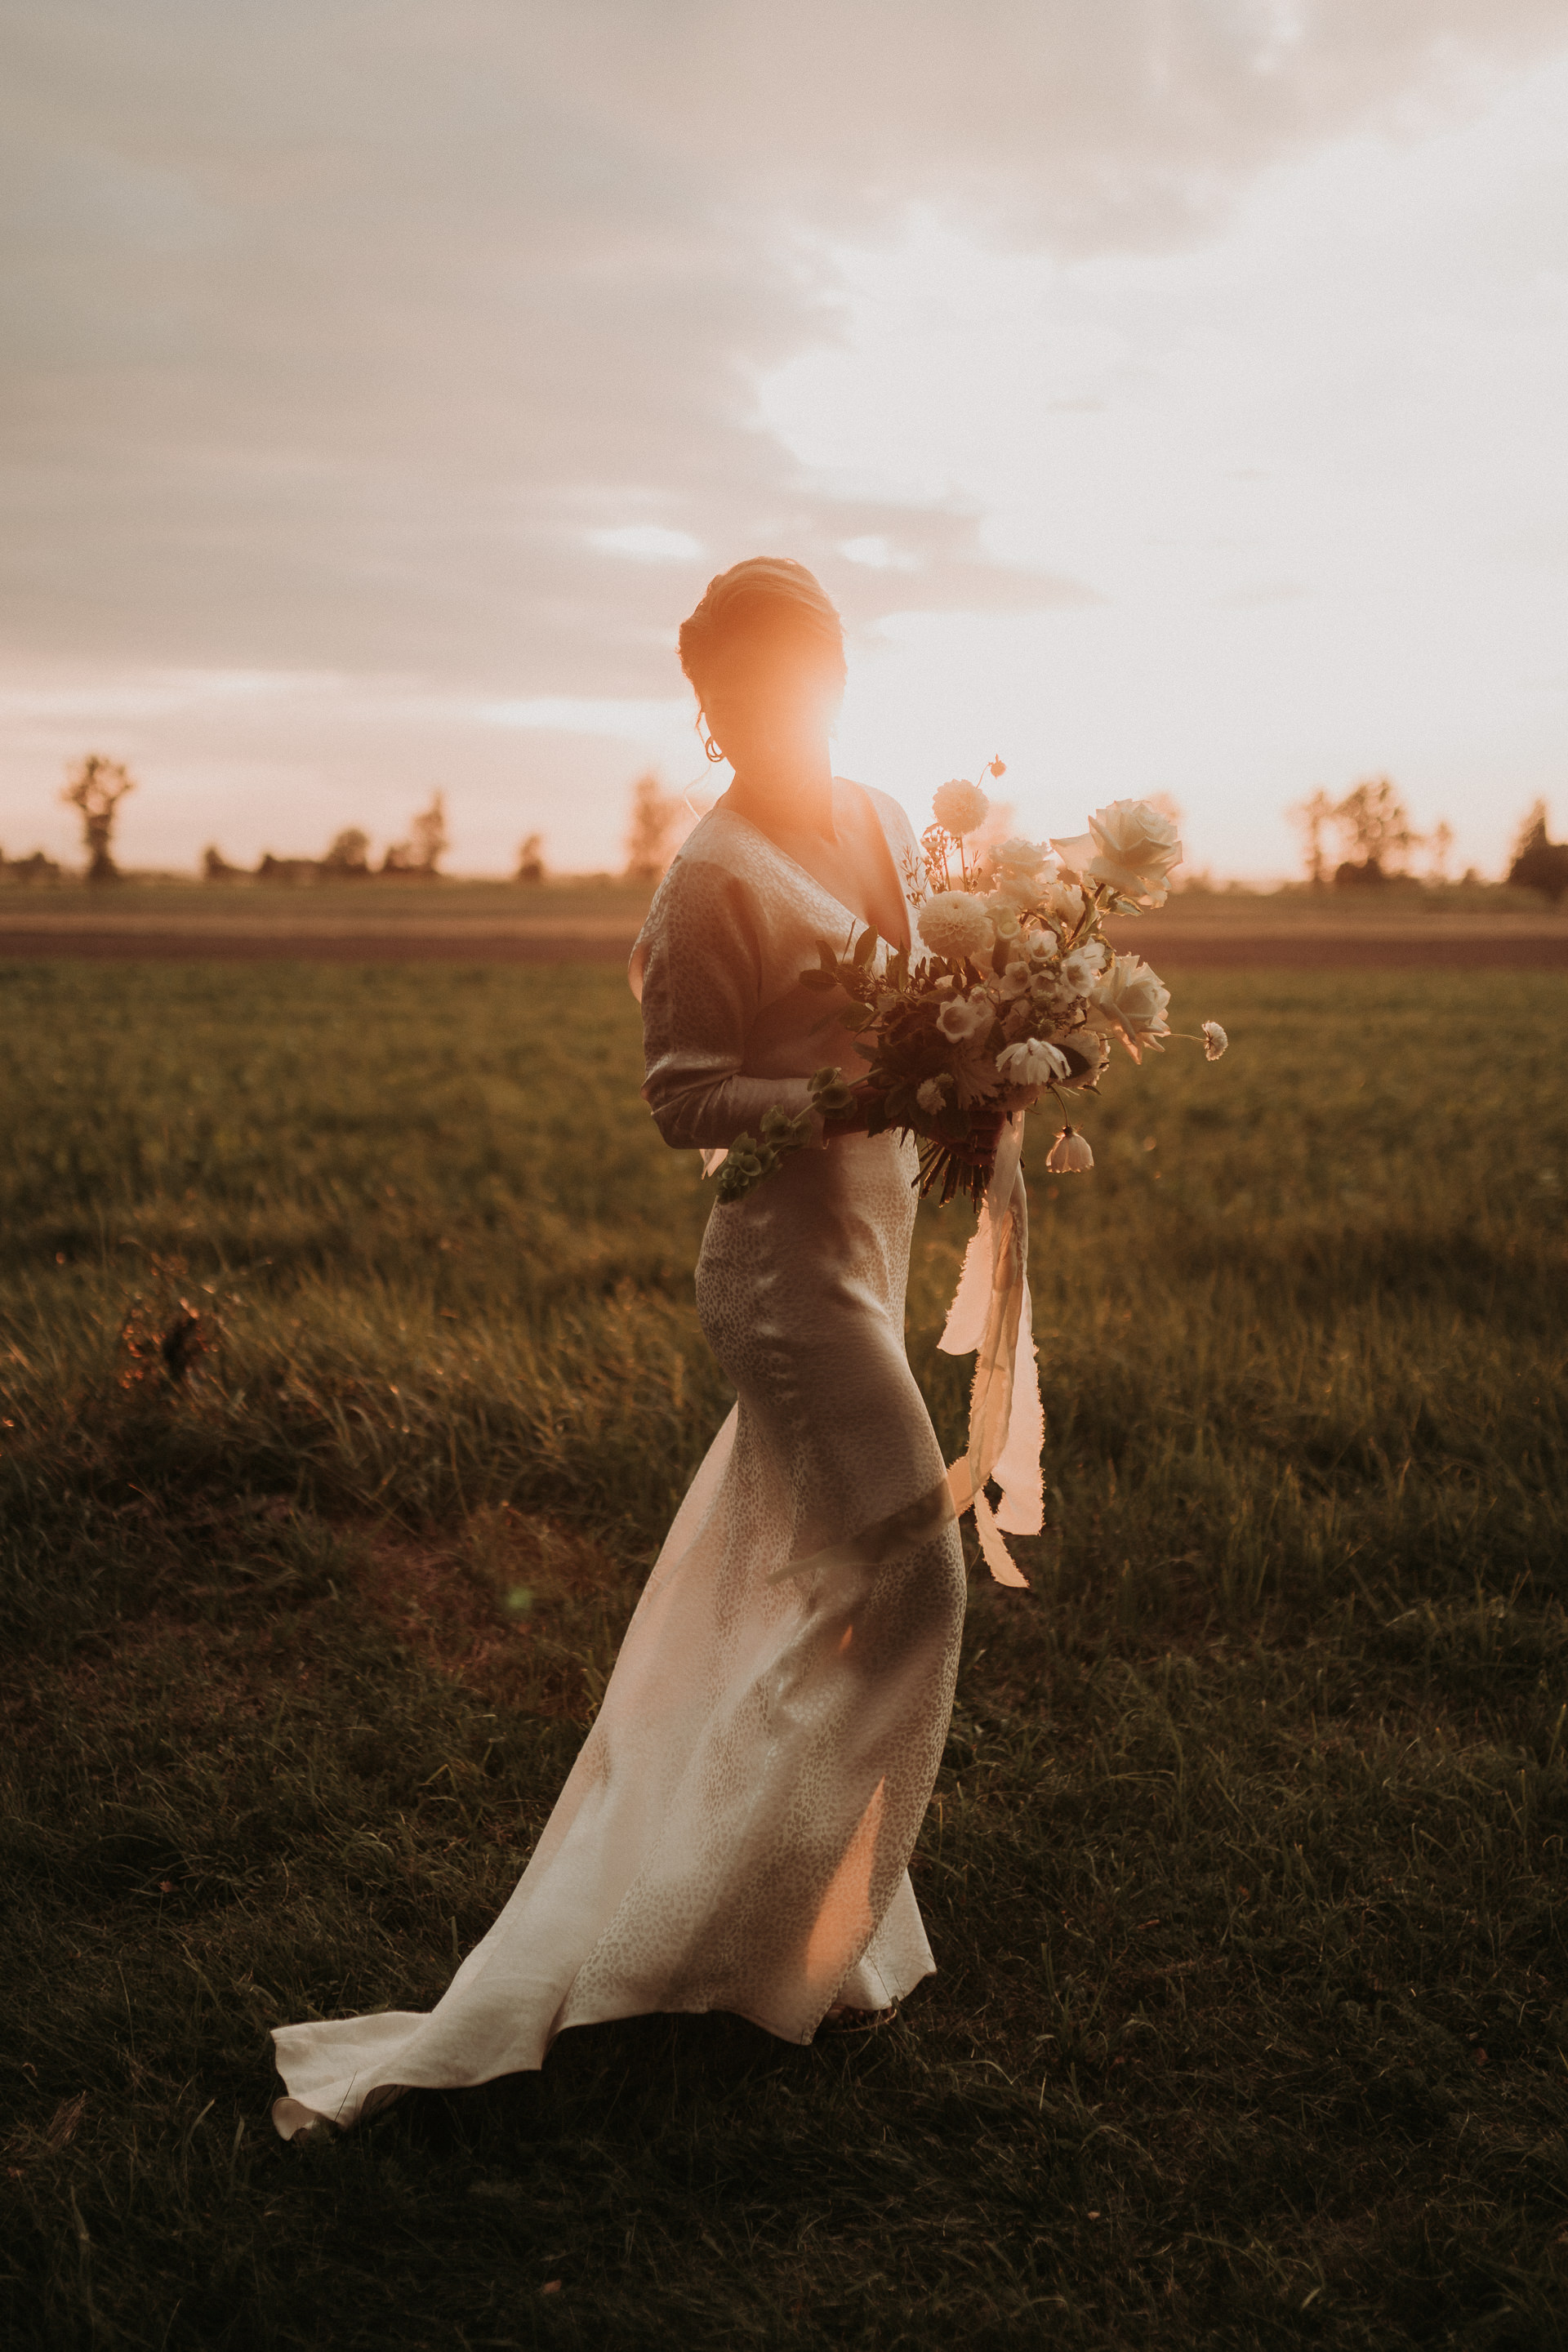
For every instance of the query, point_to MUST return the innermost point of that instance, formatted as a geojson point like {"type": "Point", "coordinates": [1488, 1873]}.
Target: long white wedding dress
{"type": "Point", "coordinates": [735, 1833]}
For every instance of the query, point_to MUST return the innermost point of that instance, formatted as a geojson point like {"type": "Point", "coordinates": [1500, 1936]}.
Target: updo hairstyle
{"type": "Point", "coordinates": [766, 602]}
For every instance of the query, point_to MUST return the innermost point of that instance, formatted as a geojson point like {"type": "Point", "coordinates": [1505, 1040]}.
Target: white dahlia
{"type": "Point", "coordinates": [960, 807]}
{"type": "Point", "coordinates": [956, 925]}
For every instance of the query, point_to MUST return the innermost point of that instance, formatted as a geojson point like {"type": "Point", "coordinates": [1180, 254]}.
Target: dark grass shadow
{"type": "Point", "coordinates": [632, 2081]}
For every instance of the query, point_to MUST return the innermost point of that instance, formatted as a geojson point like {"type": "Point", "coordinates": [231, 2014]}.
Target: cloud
{"type": "Point", "coordinates": [385, 340]}
{"type": "Point", "coordinates": [366, 333]}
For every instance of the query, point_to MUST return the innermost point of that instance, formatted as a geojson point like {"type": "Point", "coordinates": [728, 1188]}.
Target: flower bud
{"type": "Point", "coordinates": [828, 1094]}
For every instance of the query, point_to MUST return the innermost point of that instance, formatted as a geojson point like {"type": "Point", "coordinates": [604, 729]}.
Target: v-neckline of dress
{"type": "Point", "coordinates": [831, 897]}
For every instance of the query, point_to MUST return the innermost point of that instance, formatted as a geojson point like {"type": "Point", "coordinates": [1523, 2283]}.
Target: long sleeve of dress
{"type": "Point", "coordinates": [704, 975]}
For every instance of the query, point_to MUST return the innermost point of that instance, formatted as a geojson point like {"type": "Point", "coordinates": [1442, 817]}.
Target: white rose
{"type": "Point", "coordinates": [1021, 871]}
{"type": "Point", "coordinates": [956, 925]}
{"type": "Point", "coordinates": [1032, 1063]}
{"type": "Point", "coordinates": [1214, 1041]}
{"type": "Point", "coordinates": [1132, 1001]}
{"type": "Point", "coordinates": [1136, 848]}
{"type": "Point", "coordinates": [1024, 860]}
{"type": "Point", "coordinates": [1015, 854]}
{"type": "Point", "coordinates": [960, 807]}
{"type": "Point", "coordinates": [963, 1017]}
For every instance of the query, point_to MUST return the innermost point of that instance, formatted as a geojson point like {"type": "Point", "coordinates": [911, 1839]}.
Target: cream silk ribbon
{"type": "Point", "coordinates": [991, 1313]}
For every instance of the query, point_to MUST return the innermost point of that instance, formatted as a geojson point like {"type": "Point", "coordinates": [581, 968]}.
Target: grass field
{"type": "Point", "coordinates": [1245, 1866]}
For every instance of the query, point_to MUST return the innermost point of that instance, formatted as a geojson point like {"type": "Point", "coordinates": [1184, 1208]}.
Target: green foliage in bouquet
{"type": "Point", "coordinates": [751, 1157]}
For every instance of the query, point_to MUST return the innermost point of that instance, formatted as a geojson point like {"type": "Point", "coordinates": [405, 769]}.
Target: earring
{"type": "Point", "coordinates": [709, 745]}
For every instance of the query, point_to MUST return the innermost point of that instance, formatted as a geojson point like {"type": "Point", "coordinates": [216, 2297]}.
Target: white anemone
{"type": "Point", "coordinates": [1032, 1063]}
{"type": "Point", "coordinates": [1069, 1155]}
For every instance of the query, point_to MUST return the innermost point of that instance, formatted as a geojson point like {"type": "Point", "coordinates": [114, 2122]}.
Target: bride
{"type": "Point", "coordinates": [735, 1833]}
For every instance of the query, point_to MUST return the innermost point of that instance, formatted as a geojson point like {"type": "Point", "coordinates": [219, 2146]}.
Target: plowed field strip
{"type": "Point", "coordinates": [1169, 950]}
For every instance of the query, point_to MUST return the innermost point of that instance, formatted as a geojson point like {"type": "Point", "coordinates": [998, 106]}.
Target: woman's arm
{"type": "Point", "coordinates": [701, 991]}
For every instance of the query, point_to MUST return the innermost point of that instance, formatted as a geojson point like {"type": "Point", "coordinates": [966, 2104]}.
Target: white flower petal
{"type": "Point", "coordinates": [1069, 1155]}
{"type": "Point", "coordinates": [1033, 1062]}
{"type": "Point", "coordinates": [963, 1017]}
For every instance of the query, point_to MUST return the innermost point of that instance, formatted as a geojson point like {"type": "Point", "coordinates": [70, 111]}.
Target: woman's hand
{"type": "Point", "coordinates": [851, 1121]}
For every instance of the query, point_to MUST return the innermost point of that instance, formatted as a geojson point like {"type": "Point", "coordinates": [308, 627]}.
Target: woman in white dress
{"type": "Point", "coordinates": [736, 1831]}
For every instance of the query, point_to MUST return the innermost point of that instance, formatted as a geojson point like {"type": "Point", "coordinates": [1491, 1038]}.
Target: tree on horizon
{"type": "Point", "coordinates": [651, 832]}
{"type": "Point", "coordinates": [1539, 862]}
{"type": "Point", "coordinates": [1310, 817]}
{"type": "Point", "coordinates": [427, 844]}
{"type": "Point", "coordinates": [96, 789]}
{"type": "Point", "coordinates": [1374, 825]}
{"type": "Point", "coordinates": [348, 855]}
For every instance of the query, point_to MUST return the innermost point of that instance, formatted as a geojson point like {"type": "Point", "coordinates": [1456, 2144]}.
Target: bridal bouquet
{"type": "Point", "coordinates": [1018, 996]}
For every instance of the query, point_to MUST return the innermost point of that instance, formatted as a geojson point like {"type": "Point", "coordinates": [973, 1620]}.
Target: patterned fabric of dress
{"type": "Point", "coordinates": [736, 1831]}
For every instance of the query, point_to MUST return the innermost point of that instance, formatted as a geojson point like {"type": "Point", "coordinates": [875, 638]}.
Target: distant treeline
{"type": "Point", "coordinates": [1375, 838]}
{"type": "Point", "coordinates": [347, 858]}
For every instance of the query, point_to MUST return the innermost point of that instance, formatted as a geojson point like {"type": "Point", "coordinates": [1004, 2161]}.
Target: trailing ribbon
{"type": "Point", "coordinates": [991, 1313]}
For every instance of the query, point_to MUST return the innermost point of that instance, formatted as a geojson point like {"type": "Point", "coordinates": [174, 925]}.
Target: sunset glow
{"type": "Point", "coordinates": [1222, 462]}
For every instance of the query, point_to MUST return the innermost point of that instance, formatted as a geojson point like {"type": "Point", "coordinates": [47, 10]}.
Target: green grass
{"type": "Point", "coordinates": [1245, 1869]}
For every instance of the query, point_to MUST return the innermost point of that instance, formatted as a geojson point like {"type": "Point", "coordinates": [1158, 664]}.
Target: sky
{"type": "Point", "coordinates": [1168, 392]}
